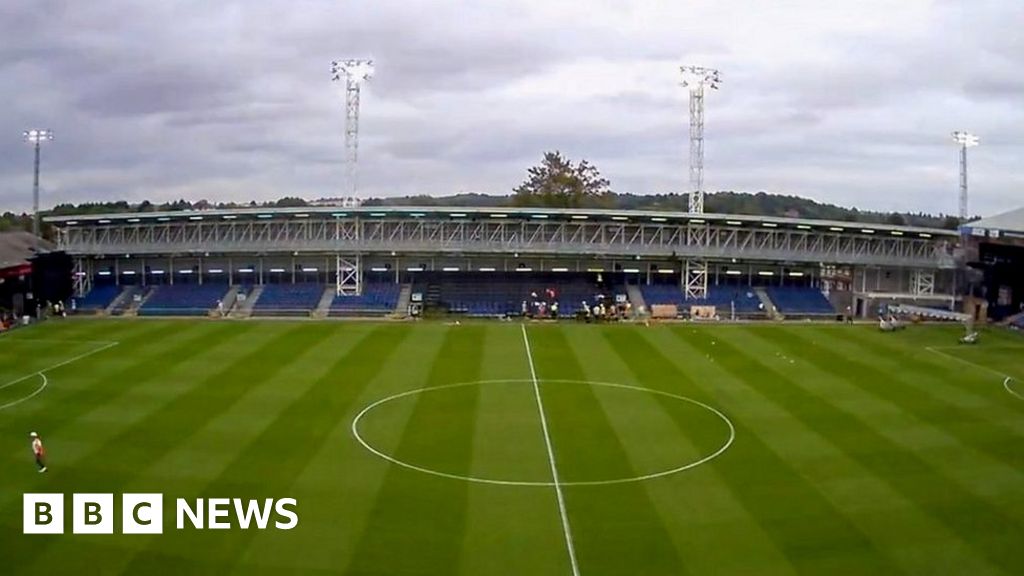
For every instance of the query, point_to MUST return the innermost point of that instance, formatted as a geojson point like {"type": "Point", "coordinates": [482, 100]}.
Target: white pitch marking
{"type": "Point", "coordinates": [56, 340]}
{"type": "Point", "coordinates": [551, 457]}
{"type": "Point", "coordinates": [1006, 384]}
{"type": "Point", "coordinates": [30, 396]}
{"type": "Point", "coordinates": [42, 374]}
{"type": "Point", "coordinates": [527, 483]}
{"type": "Point", "coordinates": [1007, 377]}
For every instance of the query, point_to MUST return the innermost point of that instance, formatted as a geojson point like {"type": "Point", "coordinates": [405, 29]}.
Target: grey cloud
{"type": "Point", "coordinates": [229, 100]}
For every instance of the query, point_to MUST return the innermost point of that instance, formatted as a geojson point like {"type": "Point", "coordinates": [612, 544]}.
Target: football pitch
{"type": "Point", "coordinates": [523, 449]}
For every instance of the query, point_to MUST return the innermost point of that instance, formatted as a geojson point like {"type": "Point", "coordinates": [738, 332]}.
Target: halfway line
{"type": "Point", "coordinates": [551, 458]}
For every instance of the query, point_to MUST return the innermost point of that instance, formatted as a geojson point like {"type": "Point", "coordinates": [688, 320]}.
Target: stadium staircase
{"type": "Point", "coordinates": [404, 299]}
{"type": "Point", "coordinates": [432, 296]}
{"type": "Point", "coordinates": [1014, 320]}
{"type": "Point", "coordinates": [133, 307]}
{"type": "Point", "coordinates": [228, 301]}
{"type": "Point", "coordinates": [243, 308]}
{"type": "Point", "coordinates": [636, 298]}
{"type": "Point", "coordinates": [123, 300]}
{"type": "Point", "coordinates": [323, 308]}
{"type": "Point", "coordinates": [769, 306]}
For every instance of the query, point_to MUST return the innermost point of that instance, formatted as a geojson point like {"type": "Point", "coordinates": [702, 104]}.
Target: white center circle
{"type": "Point", "coordinates": [675, 470]}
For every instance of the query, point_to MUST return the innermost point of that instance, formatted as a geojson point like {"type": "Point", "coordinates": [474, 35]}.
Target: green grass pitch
{"type": "Point", "coordinates": [842, 450]}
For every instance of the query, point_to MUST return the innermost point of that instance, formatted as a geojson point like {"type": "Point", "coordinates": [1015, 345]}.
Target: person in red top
{"type": "Point", "coordinates": [39, 451]}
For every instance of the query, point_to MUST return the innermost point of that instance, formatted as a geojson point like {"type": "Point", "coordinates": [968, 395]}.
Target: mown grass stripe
{"type": "Point", "coordinates": [615, 528]}
{"type": "Point", "coordinates": [418, 521]}
{"type": "Point", "coordinates": [285, 445]}
{"type": "Point", "coordinates": [342, 479]}
{"type": "Point", "coordinates": [899, 529]}
{"type": "Point", "coordinates": [115, 463]}
{"type": "Point", "coordinates": [508, 443]}
{"type": "Point", "coordinates": [139, 446]}
{"type": "Point", "coordinates": [695, 505]}
{"type": "Point", "coordinates": [98, 387]}
{"type": "Point", "coordinates": [905, 357]}
{"type": "Point", "coordinates": [82, 474]}
{"type": "Point", "coordinates": [758, 476]}
{"type": "Point", "coordinates": [973, 520]}
{"type": "Point", "coordinates": [57, 412]}
{"type": "Point", "coordinates": [972, 428]}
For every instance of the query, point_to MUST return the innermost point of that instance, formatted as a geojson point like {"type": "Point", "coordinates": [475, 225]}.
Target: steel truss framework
{"type": "Point", "coordinates": [695, 278]}
{"type": "Point", "coordinates": [350, 236]}
{"type": "Point", "coordinates": [348, 275]}
{"type": "Point", "coordinates": [922, 282]}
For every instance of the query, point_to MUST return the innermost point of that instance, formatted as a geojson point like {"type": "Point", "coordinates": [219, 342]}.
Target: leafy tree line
{"type": "Point", "coordinates": [560, 183]}
{"type": "Point", "coordinates": [556, 182]}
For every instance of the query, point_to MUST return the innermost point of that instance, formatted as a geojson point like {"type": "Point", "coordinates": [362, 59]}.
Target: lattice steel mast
{"type": "Point", "coordinates": [36, 138]}
{"type": "Point", "coordinates": [696, 78]}
{"type": "Point", "coordinates": [965, 140]}
{"type": "Point", "coordinates": [354, 72]}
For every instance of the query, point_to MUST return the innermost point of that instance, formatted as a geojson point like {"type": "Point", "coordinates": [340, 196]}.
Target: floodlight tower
{"type": "Point", "coordinates": [36, 138]}
{"type": "Point", "coordinates": [696, 78]}
{"type": "Point", "coordinates": [354, 72]}
{"type": "Point", "coordinates": [965, 140]}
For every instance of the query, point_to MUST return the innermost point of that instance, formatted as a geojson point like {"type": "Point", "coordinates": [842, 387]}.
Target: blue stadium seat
{"type": "Point", "coordinates": [497, 293]}
{"type": "Point", "coordinates": [376, 298]}
{"type": "Point", "coordinates": [721, 297]}
{"type": "Point", "coordinates": [289, 298]}
{"type": "Point", "coordinates": [183, 300]}
{"type": "Point", "coordinates": [98, 298]}
{"type": "Point", "coordinates": [800, 300]}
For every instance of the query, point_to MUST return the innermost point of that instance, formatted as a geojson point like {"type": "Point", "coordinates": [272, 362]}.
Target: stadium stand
{"type": "Point", "coordinates": [183, 300]}
{"type": "Point", "coordinates": [721, 297]}
{"type": "Point", "coordinates": [800, 300]}
{"type": "Point", "coordinates": [288, 299]}
{"type": "Point", "coordinates": [377, 298]}
{"type": "Point", "coordinates": [98, 298]}
{"type": "Point", "coordinates": [497, 294]}
{"type": "Point", "coordinates": [655, 294]}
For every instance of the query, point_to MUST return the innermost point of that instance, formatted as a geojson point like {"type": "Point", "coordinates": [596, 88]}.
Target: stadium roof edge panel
{"type": "Point", "coordinates": [1012, 222]}
{"type": "Point", "coordinates": [450, 212]}
{"type": "Point", "coordinates": [17, 247]}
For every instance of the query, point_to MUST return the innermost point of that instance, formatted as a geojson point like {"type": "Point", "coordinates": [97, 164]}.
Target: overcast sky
{"type": "Point", "coordinates": [848, 101]}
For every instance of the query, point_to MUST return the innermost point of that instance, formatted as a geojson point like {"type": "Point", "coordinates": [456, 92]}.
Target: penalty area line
{"type": "Point", "coordinates": [1006, 384]}
{"type": "Point", "coordinates": [551, 457]}
{"type": "Point", "coordinates": [42, 374]}
{"type": "Point", "coordinates": [1006, 377]}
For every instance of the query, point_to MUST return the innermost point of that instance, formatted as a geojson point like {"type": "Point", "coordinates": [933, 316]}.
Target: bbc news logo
{"type": "Point", "coordinates": [144, 514]}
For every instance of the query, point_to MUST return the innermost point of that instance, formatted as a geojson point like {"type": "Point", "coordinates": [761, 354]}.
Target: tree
{"type": "Point", "coordinates": [290, 202]}
{"type": "Point", "coordinates": [896, 219]}
{"type": "Point", "coordinates": [558, 183]}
